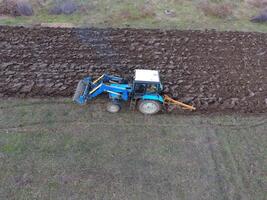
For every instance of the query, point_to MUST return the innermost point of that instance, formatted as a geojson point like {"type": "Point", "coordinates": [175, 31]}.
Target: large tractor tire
{"type": "Point", "coordinates": [149, 107]}
{"type": "Point", "coordinates": [113, 107]}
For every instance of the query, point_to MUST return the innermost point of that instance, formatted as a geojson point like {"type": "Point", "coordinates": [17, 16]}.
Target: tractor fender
{"type": "Point", "coordinates": [154, 97]}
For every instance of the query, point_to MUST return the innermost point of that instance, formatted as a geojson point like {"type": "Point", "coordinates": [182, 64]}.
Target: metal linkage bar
{"type": "Point", "coordinates": [169, 101]}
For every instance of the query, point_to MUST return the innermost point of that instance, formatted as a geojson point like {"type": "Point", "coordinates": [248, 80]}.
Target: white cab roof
{"type": "Point", "coordinates": [144, 75]}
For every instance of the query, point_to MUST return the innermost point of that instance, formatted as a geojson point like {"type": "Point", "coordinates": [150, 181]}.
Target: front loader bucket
{"type": "Point", "coordinates": [79, 95]}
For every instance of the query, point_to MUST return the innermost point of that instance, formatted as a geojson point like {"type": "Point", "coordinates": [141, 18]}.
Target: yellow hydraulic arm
{"type": "Point", "coordinates": [169, 101]}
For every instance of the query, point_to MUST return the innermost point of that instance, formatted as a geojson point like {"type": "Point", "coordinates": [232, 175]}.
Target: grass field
{"type": "Point", "coordinates": [147, 14]}
{"type": "Point", "coordinates": [52, 149]}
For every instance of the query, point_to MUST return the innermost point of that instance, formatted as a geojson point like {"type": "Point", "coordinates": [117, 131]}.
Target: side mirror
{"type": "Point", "coordinates": [160, 87]}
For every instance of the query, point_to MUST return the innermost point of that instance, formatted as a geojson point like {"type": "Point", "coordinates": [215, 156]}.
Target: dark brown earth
{"type": "Point", "coordinates": [215, 71]}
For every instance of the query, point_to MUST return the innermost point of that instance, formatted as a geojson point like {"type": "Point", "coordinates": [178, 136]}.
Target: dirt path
{"type": "Point", "coordinates": [215, 71]}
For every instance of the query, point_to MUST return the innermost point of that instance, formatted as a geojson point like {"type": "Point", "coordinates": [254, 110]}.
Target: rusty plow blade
{"type": "Point", "coordinates": [171, 102]}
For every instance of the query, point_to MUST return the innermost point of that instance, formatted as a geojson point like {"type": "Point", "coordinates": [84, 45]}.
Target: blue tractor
{"type": "Point", "coordinates": [144, 92]}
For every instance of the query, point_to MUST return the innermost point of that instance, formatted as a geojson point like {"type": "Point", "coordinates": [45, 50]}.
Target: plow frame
{"type": "Point", "coordinates": [171, 104]}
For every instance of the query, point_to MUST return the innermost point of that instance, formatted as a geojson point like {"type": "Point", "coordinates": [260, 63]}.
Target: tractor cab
{"type": "Point", "coordinates": [146, 82]}
{"type": "Point", "coordinates": [146, 91]}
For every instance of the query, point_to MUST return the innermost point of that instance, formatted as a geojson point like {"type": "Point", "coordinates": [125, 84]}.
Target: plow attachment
{"type": "Point", "coordinates": [171, 103]}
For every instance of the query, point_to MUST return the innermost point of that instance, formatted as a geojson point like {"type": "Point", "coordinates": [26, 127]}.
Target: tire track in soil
{"type": "Point", "coordinates": [238, 179]}
{"type": "Point", "coordinates": [218, 176]}
{"type": "Point", "coordinates": [215, 71]}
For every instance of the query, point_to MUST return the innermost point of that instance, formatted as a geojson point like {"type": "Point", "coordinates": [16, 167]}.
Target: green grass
{"type": "Point", "coordinates": [53, 149]}
{"type": "Point", "coordinates": [121, 13]}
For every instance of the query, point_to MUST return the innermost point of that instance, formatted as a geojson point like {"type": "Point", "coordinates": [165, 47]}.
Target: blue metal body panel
{"type": "Point", "coordinates": [116, 88]}
{"type": "Point", "coordinates": [122, 93]}
{"type": "Point", "coordinates": [81, 100]}
{"type": "Point", "coordinates": [154, 97]}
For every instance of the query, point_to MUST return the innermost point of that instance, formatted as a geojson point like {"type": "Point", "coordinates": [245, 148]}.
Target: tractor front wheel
{"type": "Point", "coordinates": [149, 107]}
{"type": "Point", "coordinates": [113, 107]}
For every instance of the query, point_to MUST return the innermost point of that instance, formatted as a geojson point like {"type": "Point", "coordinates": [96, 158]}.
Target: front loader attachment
{"type": "Point", "coordinates": [82, 90]}
{"type": "Point", "coordinates": [88, 89]}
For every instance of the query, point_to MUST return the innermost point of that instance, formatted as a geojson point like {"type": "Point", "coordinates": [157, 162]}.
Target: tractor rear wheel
{"type": "Point", "coordinates": [149, 107]}
{"type": "Point", "coordinates": [113, 107]}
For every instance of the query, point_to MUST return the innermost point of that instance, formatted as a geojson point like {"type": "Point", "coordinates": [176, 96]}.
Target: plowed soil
{"type": "Point", "coordinates": [215, 71]}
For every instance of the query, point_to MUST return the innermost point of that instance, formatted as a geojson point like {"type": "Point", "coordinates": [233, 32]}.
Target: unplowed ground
{"type": "Point", "coordinates": [215, 71]}
{"type": "Point", "coordinates": [53, 149]}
